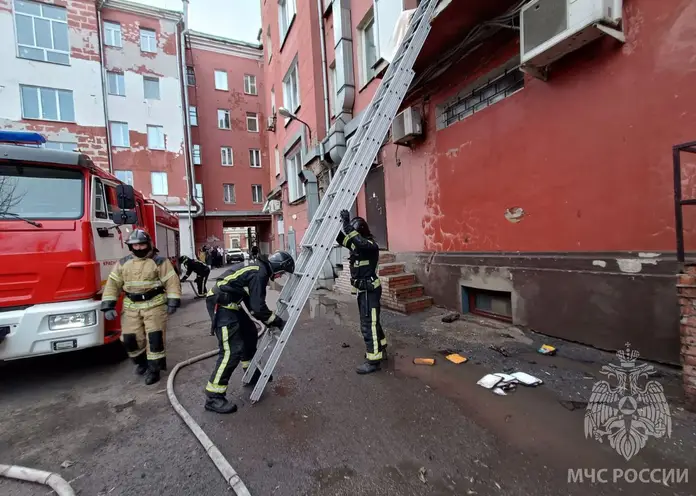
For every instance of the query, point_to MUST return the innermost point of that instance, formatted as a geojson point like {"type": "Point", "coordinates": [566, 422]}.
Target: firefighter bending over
{"type": "Point", "coordinates": [236, 332]}
{"type": "Point", "coordinates": [364, 257]}
{"type": "Point", "coordinates": [201, 270]}
{"type": "Point", "coordinates": [152, 291]}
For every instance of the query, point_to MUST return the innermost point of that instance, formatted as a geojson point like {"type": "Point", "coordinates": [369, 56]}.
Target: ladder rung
{"type": "Point", "coordinates": [308, 246]}
{"type": "Point", "coordinates": [299, 274]}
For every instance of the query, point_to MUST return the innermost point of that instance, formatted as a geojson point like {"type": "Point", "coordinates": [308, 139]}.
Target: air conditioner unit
{"type": "Point", "coordinates": [271, 123]}
{"type": "Point", "coordinates": [273, 206]}
{"type": "Point", "coordinates": [551, 29]}
{"type": "Point", "coordinates": [407, 126]}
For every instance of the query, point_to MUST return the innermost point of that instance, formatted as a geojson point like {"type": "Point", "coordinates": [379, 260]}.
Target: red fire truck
{"type": "Point", "coordinates": [63, 226]}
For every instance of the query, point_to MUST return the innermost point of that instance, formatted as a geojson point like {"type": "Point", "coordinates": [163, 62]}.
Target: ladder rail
{"type": "Point", "coordinates": [318, 240]}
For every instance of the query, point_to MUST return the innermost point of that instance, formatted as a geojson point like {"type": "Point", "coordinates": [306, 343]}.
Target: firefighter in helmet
{"type": "Point", "coordinates": [364, 257]}
{"type": "Point", "coordinates": [236, 332]}
{"type": "Point", "coordinates": [152, 291]}
{"type": "Point", "coordinates": [201, 270]}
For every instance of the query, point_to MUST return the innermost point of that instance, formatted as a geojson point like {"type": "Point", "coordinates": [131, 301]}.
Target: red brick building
{"type": "Point", "coordinates": [544, 201]}
{"type": "Point", "coordinates": [231, 164]}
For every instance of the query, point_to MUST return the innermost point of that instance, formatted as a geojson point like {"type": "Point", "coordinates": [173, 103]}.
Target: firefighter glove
{"type": "Point", "coordinates": [110, 314]}
{"type": "Point", "coordinates": [172, 305]}
{"type": "Point", "coordinates": [345, 216]}
{"type": "Point", "coordinates": [171, 309]}
{"type": "Point", "coordinates": [279, 323]}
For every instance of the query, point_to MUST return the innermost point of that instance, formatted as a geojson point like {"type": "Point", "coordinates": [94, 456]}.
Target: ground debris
{"type": "Point", "coordinates": [573, 405]}
{"type": "Point", "coordinates": [345, 345]}
{"type": "Point", "coordinates": [450, 317]}
{"type": "Point", "coordinates": [500, 350]}
{"type": "Point", "coordinates": [67, 464]}
{"type": "Point", "coordinates": [424, 361]}
{"type": "Point", "coordinates": [421, 475]}
{"type": "Point", "coordinates": [122, 406]}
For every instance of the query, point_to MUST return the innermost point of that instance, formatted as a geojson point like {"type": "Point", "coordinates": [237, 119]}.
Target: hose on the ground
{"type": "Point", "coordinates": [220, 462]}
{"type": "Point", "coordinates": [54, 481]}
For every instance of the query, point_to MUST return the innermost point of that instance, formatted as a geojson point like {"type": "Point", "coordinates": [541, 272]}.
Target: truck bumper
{"type": "Point", "coordinates": [30, 332]}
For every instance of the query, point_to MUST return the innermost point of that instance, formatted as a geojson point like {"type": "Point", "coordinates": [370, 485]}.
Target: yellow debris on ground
{"type": "Point", "coordinates": [456, 358]}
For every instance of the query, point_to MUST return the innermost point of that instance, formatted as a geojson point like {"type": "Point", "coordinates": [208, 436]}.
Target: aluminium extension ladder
{"type": "Point", "coordinates": [342, 192]}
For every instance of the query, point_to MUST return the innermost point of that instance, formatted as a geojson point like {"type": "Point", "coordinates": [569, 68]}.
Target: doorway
{"type": "Point", "coordinates": [376, 206]}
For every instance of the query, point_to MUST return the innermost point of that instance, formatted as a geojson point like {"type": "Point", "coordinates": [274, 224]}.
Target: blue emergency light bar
{"type": "Point", "coordinates": [21, 138]}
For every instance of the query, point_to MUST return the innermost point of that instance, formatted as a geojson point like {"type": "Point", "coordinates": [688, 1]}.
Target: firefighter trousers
{"type": "Point", "coordinates": [370, 325]}
{"type": "Point", "coordinates": [143, 335]}
{"type": "Point", "coordinates": [201, 280]}
{"type": "Point", "coordinates": [237, 340]}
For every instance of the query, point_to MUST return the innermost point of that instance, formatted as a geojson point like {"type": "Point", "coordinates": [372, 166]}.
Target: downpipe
{"type": "Point", "coordinates": [54, 481]}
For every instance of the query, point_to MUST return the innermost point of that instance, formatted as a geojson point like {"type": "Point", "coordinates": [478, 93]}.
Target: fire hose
{"type": "Point", "coordinates": [54, 481]}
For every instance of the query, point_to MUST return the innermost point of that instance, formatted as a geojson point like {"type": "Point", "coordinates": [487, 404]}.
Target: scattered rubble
{"type": "Point", "coordinates": [424, 361]}
{"type": "Point", "coordinates": [451, 317]}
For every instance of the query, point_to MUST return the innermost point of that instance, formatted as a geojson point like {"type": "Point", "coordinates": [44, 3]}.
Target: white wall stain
{"type": "Point", "coordinates": [633, 265]}
{"type": "Point", "coordinates": [599, 263]}
{"type": "Point", "coordinates": [648, 255]}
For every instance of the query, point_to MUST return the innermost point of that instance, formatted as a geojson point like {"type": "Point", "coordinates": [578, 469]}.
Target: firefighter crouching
{"type": "Point", "coordinates": [152, 291]}
{"type": "Point", "coordinates": [236, 332]}
{"type": "Point", "coordinates": [364, 257]}
{"type": "Point", "coordinates": [201, 270]}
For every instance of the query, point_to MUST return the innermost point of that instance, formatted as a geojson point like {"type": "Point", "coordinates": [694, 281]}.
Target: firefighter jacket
{"type": "Point", "coordinates": [199, 268]}
{"type": "Point", "coordinates": [147, 282]}
{"type": "Point", "coordinates": [246, 283]}
{"type": "Point", "coordinates": [364, 258]}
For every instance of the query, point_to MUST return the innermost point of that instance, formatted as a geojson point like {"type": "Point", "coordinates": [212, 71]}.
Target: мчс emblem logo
{"type": "Point", "coordinates": [627, 413]}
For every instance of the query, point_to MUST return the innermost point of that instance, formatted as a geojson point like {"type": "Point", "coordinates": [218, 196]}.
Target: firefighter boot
{"type": "Point", "coordinates": [219, 404]}
{"type": "Point", "coordinates": [368, 368]}
{"type": "Point", "coordinates": [140, 364]}
{"type": "Point", "coordinates": [152, 375]}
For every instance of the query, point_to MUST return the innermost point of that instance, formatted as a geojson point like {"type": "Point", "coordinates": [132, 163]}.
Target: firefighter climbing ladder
{"type": "Point", "coordinates": [342, 192]}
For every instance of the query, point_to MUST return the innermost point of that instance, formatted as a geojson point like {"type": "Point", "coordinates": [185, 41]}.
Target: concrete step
{"type": "Point", "coordinates": [407, 292]}
{"type": "Point", "coordinates": [398, 280]}
{"type": "Point", "coordinates": [386, 269]}
{"type": "Point", "coordinates": [385, 257]}
{"type": "Point", "coordinates": [409, 306]}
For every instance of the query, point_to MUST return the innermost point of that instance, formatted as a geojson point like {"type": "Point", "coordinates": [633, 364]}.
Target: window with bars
{"type": "Point", "coordinates": [223, 119]}
{"type": "Point", "coordinates": [256, 193]}
{"type": "Point", "coordinates": [228, 193]}
{"type": "Point", "coordinates": [255, 157]}
{"type": "Point", "coordinates": [484, 95]}
{"type": "Point", "coordinates": [42, 32]}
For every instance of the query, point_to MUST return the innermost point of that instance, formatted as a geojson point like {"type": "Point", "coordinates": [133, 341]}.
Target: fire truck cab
{"type": "Point", "coordinates": [63, 226]}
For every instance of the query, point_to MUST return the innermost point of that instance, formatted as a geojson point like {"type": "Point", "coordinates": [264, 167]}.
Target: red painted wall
{"type": "Point", "coordinates": [211, 174]}
{"type": "Point", "coordinates": [587, 154]}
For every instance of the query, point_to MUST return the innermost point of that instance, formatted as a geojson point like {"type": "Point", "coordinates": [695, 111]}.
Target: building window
{"type": "Point", "coordinates": [228, 190]}
{"type": "Point", "coordinates": [198, 192]}
{"type": "Point", "coordinates": [42, 32]}
{"type": "Point", "coordinates": [256, 193]}
{"type": "Point", "coordinates": [151, 88]}
{"type": "Point", "coordinates": [159, 183]}
{"type": "Point", "coordinates": [116, 83]}
{"type": "Point", "coordinates": [368, 47]}
{"type": "Point", "coordinates": [333, 101]}
{"type": "Point", "coordinates": [296, 188]}
{"type": "Point", "coordinates": [196, 154]}
{"type": "Point", "coordinates": [277, 162]}
{"type": "Point", "coordinates": [47, 104]}
{"type": "Point", "coordinates": [66, 146]}
{"type": "Point", "coordinates": [291, 85]}
{"type": "Point", "coordinates": [255, 158]}
{"type": "Point", "coordinates": [190, 76]}
{"type": "Point", "coordinates": [286, 13]}
{"type": "Point", "coordinates": [250, 84]}
{"type": "Point", "coordinates": [155, 137]}
{"type": "Point", "coordinates": [226, 156]}
{"type": "Point", "coordinates": [496, 87]}
{"type": "Point", "coordinates": [119, 134]}
{"type": "Point", "coordinates": [495, 304]}
{"type": "Point", "coordinates": [387, 14]}
{"type": "Point", "coordinates": [269, 43]}
{"type": "Point", "coordinates": [193, 116]}
{"type": "Point", "coordinates": [221, 80]}
{"type": "Point", "coordinates": [273, 102]}
{"type": "Point", "coordinates": [112, 34]}
{"type": "Point", "coordinates": [125, 176]}
{"type": "Point", "coordinates": [252, 119]}
{"type": "Point", "coordinates": [148, 40]}
{"type": "Point", "coordinates": [223, 119]}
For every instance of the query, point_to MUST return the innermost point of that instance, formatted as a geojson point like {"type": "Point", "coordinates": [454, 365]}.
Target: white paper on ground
{"type": "Point", "coordinates": [496, 380]}
{"type": "Point", "coordinates": [526, 379]}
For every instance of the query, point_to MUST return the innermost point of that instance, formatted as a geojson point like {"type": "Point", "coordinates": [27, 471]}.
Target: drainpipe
{"type": "Point", "coordinates": [324, 69]}
{"type": "Point", "coordinates": [102, 62]}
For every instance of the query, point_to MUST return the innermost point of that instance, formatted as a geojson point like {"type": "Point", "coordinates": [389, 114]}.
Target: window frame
{"type": "Point", "coordinates": [190, 76]}
{"type": "Point", "coordinates": [254, 188]}
{"type": "Point", "coordinates": [277, 162]}
{"type": "Point", "coordinates": [226, 119]}
{"type": "Point", "coordinates": [287, 11]}
{"type": "Point", "coordinates": [147, 31]}
{"type": "Point", "coordinates": [129, 179]}
{"type": "Point", "coordinates": [166, 183]}
{"type": "Point", "coordinates": [224, 156]}
{"type": "Point", "coordinates": [196, 154]}
{"type": "Point", "coordinates": [367, 71]}
{"type": "Point", "coordinates": [120, 77]}
{"type": "Point", "coordinates": [111, 132]}
{"type": "Point", "coordinates": [291, 77]}
{"type": "Point", "coordinates": [296, 188]}
{"type": "Point", "coordinates": [107, 26]}
{"type": "Point", "coordinates": [255, 158]}
{"type": "Point", "coordinates": [160, 134]}
{"type": "Point", "coordinates": [41, 16]}
{"type": "Point", "coordinates": [233, 200]}
{"type": "Point", "coordinates": [57, 93]}
{"type": "Point", "coordinates": [251, 80]}
{"type": "Point", "coordinates": [151, 79]}
{"type": "Point", "coordinates": [215, 80]}
{"type": "Point", "coordinates": [193, 115]}
{"type": "Point", "coordinates": [255, 117]}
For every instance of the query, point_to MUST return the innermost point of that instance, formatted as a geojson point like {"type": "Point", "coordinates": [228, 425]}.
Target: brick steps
{"type": "Point", "coordinates": [400, 289]}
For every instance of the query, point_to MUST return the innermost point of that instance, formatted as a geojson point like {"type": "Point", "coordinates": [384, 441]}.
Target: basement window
{"type": "Point", "coordinates": [487, 303]}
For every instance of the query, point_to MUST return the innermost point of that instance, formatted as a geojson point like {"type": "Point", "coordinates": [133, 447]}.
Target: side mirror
{"type": "Point", "coordinates": [124, 217]}
{"type": "Point", "coordinates": [125, 195]}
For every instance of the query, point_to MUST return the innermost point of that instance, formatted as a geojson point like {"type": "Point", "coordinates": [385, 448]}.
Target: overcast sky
{"type": "Point", "coordinates": [236, 19]}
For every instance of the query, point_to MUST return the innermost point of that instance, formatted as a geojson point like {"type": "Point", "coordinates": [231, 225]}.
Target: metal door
{"type": "Point", "coordinates": [376, 207]}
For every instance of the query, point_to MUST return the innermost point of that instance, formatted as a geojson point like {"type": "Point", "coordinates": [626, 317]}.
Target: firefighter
{"type": "Point", "coordinates": [200, 269]}
{"type": "Point", "coordinates": [152, 291]}
{"type": "Point", "coordinates": [254, 254]}
{"type": "Point", "coordinates": [236, 332]}
{"type": "Point", "coordinates": [364, 257]}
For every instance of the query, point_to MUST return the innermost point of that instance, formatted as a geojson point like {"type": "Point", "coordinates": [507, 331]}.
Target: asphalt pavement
{"type": "Point", "coordinates": [321, 429]}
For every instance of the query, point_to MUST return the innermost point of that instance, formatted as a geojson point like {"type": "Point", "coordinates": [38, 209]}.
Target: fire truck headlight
{"type": "Point", "coordinates": [72, 320]}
